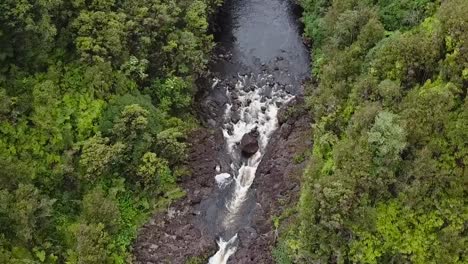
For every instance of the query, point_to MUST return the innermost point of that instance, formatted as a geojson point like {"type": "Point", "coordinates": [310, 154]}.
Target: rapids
{"type": "Point", "coordinates": [264, 62]}
{"type": "Point", "coordinates": [258, 102]}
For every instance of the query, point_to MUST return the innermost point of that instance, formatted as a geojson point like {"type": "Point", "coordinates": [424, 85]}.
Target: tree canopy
{"type": "Point", "coordinates": [387, 177]}
{"type": "Point", "coordinates": [92, 98]}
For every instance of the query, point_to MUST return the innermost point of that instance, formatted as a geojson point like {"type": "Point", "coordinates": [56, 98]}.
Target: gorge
{"type": "Point", "coordinates": [259, 66]}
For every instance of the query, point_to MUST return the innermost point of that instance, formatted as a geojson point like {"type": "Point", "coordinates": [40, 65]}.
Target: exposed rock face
{"type": "Point", "coordinates": [249, 144]}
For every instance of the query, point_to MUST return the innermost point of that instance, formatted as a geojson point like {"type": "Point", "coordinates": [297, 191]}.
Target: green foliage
{"type": "Point", "coordinates": [390, 92]}
{"type": "Point", "coordinates": [386, 182]}
{"type": "Point", "coordinates": [132, 123]}
{"type": "Point", "coordinates": [98, 157]}
{"type": "Point", "coordinates": [99, 208]}
{"type": "Point", "coordinates": [153, 169]}
{"type": "Point", "coordinates": [25, 26]}
{"type": "Point", "coordinates": [89, 244]}
{"type": "Point", "coordinates": [386, 139]}
{"type": "Point", "coordinates": [155, 117]}
{"type": "Point", "coordinates": [100, 35]}
{"type": "Point", "coordinates": [281, 256]}
{"type": "Point", "coordinates": [412, 234]}
{"type": "Point", "coordinates": [169, 145]}
{"type": "Point", "coordinates": [195, 260]}
{"type": "Point", "coordinates": [299, 158]}
{"type": "Point", "coordinates": [27, 212]}
{"type": "Point", "coordinates": [174, 93]}
{"type": "Point", "coordinates": [404, 14]}
{"type": "Point", "coordinates": [94, 110]}
{"type": "Point", "coordinates": [392, 60]}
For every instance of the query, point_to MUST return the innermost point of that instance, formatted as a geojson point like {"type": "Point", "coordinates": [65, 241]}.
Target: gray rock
{"type": "Point", "coordinates": [235, 106]}
{"type": "Point", "coordinates": [229, 128]}
{"type": "Point", "coordinates": [211, 123]}
{"type": "Point", "coordinates": [248, 88]}
{"type": "Point", "coordinates": [235, 117]}
{"type": "Point", "coordinates": [249, 144]}
{"type": "Point", "coordinates": [247, 236]}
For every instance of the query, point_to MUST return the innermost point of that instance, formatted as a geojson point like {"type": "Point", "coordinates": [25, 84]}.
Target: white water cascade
{"type": "Point", "coordinates": [256, 100]}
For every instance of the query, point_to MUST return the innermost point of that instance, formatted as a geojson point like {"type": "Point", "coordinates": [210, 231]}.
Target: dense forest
{"type": "Point", "coordinates": [386, 181]}
{"type": "Point", "coordinates": [95, 99]}
{"type": "Point", "coordinates": [95, 109]}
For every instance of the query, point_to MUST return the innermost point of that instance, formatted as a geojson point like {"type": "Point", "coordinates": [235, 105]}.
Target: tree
{"type": "Point", "coordinates": [27, 32]}
{"type": "Point", "coordinates": [29, 213]}
{"type": "Point", "coordinates": [153, 170]}
{"type": "Point", "coordinates": [174, 94]}
{"type": "Point", "coordinates": [387, 139]}
{"type": "Point", "coordinates": [92, 97]}
{"type": "Point", "coordinates": [132, 123]}
{"type": "Point", "coordinates": [169, 145]}
{"type": "Point", "coordinates": [98, 208]}
{"type": "Point", "coordinates": [454, 25]}
{"type": "Point", "coordinates": [88, 244]}
{"type": "Point", "coordinates": [101, 36]}
{"type": "Point", "coordinates": [99, 157]}
{"type": "Point", "coordinates": [387, 181]}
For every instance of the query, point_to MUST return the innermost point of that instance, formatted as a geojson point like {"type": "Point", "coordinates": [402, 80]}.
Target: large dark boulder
{"type": "Point", "coordinates": [249, 144]}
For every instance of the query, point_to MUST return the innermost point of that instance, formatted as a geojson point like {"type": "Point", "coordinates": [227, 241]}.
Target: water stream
{"type": "Point", "coordinates": [258, 105]}
{"type": "Point", "coordinates": [266, 64]}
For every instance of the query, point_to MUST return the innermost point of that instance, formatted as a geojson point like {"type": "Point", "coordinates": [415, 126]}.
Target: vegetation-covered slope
{"type": "Point", "coordinates": [94, 100]}
{"type": "Point", "coordinates": [387, 180]}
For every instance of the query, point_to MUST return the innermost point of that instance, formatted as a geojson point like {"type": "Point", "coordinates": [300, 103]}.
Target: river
{"type": "Point", "coordinates": [264, 63]}
{"type": "Point", "coordinates": [258, 66]}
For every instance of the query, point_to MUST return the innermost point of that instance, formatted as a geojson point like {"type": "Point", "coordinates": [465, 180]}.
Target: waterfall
{"type": "Point", "coordinates": [255, 101]}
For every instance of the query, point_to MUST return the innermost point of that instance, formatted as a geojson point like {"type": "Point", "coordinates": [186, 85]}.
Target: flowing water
{"type": "Point", "coordinates": [258, 107]}
{"type": "Point", "coordinates": [265, 62]}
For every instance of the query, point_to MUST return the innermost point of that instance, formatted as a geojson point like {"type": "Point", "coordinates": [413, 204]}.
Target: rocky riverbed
{"type": "Point", "coordinates": [276, 184]}
{"type": "Point", "coordinates": [179, 234]}
{"type": "Point", "coordinates": [260, 60]}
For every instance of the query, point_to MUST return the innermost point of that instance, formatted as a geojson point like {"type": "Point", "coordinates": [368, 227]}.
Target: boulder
{"type": "Point", "coordinates": [249, 144]}
{"type": "Point", "coordinates": [235, 117]}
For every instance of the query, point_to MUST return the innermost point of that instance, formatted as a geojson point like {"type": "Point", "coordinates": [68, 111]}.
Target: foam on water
{"type": "Point", "coordinates": [225, 251]}
{"type": "Point", "coordinates": [223, 179]}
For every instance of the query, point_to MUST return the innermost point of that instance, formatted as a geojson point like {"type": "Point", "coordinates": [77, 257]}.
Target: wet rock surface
{"type": "Point", "coordinates": [276, 186]}
{"type": "Point", "coordinates": [249, 144]}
